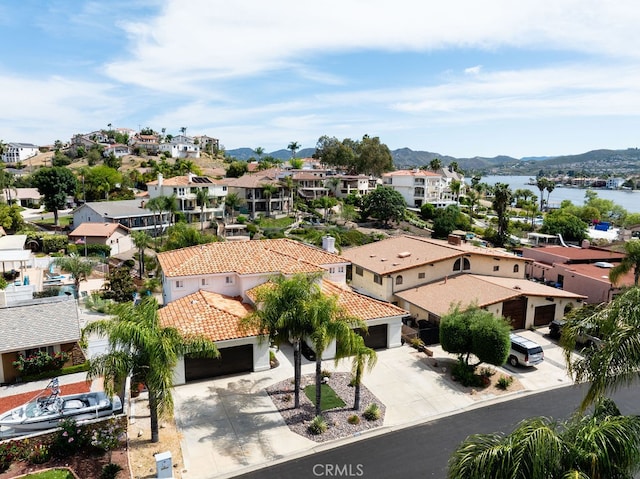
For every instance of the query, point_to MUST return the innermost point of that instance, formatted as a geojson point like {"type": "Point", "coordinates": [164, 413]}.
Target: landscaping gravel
{"type": "Point", "coordinates": [298, 419]}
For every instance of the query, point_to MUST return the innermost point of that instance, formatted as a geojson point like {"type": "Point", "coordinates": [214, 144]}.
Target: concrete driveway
{"type": "Point", "coordinates": [230, 425]}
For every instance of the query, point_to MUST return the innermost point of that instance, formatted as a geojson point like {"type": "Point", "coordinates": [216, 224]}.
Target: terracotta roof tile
{"type": "Point", "coordinates": [99, 230]}
{"type": "Point", "coordinates": [247, 257]}
{"type": "Point", "coordinates": [212, 315]}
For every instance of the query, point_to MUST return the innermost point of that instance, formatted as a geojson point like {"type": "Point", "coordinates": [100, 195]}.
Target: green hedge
{"type": "Point", "coordinates": [60, 372]}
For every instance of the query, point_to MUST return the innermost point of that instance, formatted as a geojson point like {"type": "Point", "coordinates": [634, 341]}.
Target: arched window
{"type": "Point", "coordinates": [516, 268]}
{"type": "Point", "coordinates": [456, 265]}
{"type": "Point", "coordinates": [466, 264]}
{"type": "Point", "coordinates": [398, 280]}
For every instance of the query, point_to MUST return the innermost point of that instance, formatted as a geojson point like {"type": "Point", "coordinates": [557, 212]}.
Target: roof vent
{"type": "Point", "coordinates": [396, 264]}
{"type": "Point", "coordinates": [383, 259]}
{"type": "Point", "coordinates": [603, 264]}
{"type": "Point", "coordinates": [404, 254]}
{"type": "Point", "coordinates": [372, 256]}
{"type": "Point", "coordinates": [194, 301]}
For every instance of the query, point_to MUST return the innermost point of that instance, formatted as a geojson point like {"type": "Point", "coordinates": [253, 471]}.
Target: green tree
{"type": "Point", "coordinates": [259, 151]}
{"type": "Point", "coordinates": [296, 163]}
{"type": "Point", "coordinates": [288, 183]}
{"type": "Point", "coordinates": [202, 200]}
{"type": "Point", "coordinates": [561, 222]}
{"type": "Point", "coordinates": [447, 219]}
{"type": "Point", "coordinates": [542, 183]}
{"type": "Point", "coordinates": [99, 181]}
{"type": "Point", "coordinates": [156, 205]}
{"type": "Point", "coordinates": [119, 285]}
{"type": "Point", "coordinates": [236, 169]}
{"type": "Point", "coordinates": [455, 188]}
{"type": "Point", "coordinates": [232, 202]}
{"type": "Point", "coordinates": [181, 235]}
{"type": "Point", "coordinates": [435, 164]}
{"type": "Point", "coordinates": [293, 146]}
{"type": "Point", "coordinates": [599, 446]}
{"type": "Point", "coordinates": [373, 157]}
{"type": "Point", "coordinates": [78, 267]}
{"type": "Point", "coordinates": [141, 241]}
{"type": "Point", "coordinates": [281, 316]}
{"type": "Point", "coordinates": [363, 358]}
{"type": "Point", "coordinates": [10, 217]}
{"type": "Point", "coordinates": [477, 332]}
{"type": "Point", "coordinates": [428, 211]}
{"type": "Point", "coordinates": [328, 322]}
{"type": "Point", "coordinates": [616, 361]}
{"type": "Point", "coordinates": [268, 190]}
{"type": "Point", "coordinates": [501, 201]}
{"type": "Point", "coordinates": [384, 204]}
{"type": "Point", "coordinates": [55, 184]}
{"type": "Point", "coordinates": [326, 203]}
{"type": "Point", "coordinates": [142, 347]}
{"type": "Point", "coordinates": [631, 262]}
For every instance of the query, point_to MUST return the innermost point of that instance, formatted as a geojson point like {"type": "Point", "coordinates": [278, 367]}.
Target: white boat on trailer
{"type": "Point", "coordinates": [47, 409]}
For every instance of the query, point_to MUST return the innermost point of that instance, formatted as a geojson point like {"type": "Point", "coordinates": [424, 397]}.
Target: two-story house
{"type": "Point", "coordinates": [250, 188]}
{"type": "Point", "coordinates": [417, 187]}
{"type": "Point", "coordinates": [132, 214]}
{"type": "Point", "coordinates": [310, 184]}
{"type": "Point", "coordinates": [208, 289]}
{"type": "Point", "coordinates": [18, 152]}
{"type": "Point", "coordinates": [185, 189]}
{"type": "Point", "coordinates": [342, 186]}
{"type": "Point", "coordinates": [181, 146]}
{"type": "Point", "coordinates": [405, 269]}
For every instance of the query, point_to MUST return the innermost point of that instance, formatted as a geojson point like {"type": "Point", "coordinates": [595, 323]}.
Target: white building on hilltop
{"type": "Point", "coordinates": [17, 152]}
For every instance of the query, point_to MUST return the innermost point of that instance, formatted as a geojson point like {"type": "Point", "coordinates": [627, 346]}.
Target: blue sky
{"type": "Point", "coordinates": [460, 78]}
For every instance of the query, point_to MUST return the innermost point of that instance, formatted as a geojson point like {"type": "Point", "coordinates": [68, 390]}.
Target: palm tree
{"type": "Point", "coordinates": [170, 205]}
{"type": "Point", "coordinates": [281, 316]}
{"type": "Point", "coordinates": [289, 185]}
{"type": "Point", "coordinates": [140, 346]}
{"type": "Point", "coordinates": [183, 130]}
{"type": "Point", "coordinates": [155, 205]}
{"type": "Point", "coordinates": [268, 190]}
{"type": "Point", "coordinates": [501, 201]}
{"type": "Point", "coordinates": [141, 240]}
{"type": "Point", "coordinates": [616, 361]}
{"type": "Point", "coordinates": [202, 199]}
{"type": "Point", "coordinates": [599, 446]}
{"type": "Point", "coordinates": [631, 262]}
{"type": "Point", "coordinates": [293, 146]}
{"type": "Point", "coordinates": [455, 187]}
{"type": "Point", "coordinates": [259, 151]}
{"type": "Point", "coordinates": [473, 198]}
{"type": "Point", "coordinates": [542, 183]}
{"type": "Point", "coordinates": [363, 358]}
{"type": "Point", "coordinates": [550, 187]}
{"type": "Point", "coordinates": [232, 202]}
{"type": "Point", "coordinates": [77, 267]}
{"type": "Point", "coordinates": [329, 322]}
{"type": "Point", "coordinates": [435, 164]}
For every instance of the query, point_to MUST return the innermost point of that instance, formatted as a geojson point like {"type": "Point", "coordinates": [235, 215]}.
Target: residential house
{"type": "Point", "coordinates": [210, 288]}
{"type": "Point", "coordinates": [342, 186]}
{"type": "Point", "coordinates": [117, 150]}
{"type": "Point", "coordinates": [250, 189]}
{"type": "Point", "coordinates": [583, 271]}
{"type": "Point", "coordinates": [417, 187]}
{"type": "Point", "coordinates": [614, 183]}
{"type": "Point", "coordinates": [26, 197]}
{"type": "Point", "coordinates": [132, 214]}
{"type": "Point", "coordinates": [149, 143]}
{"type": "Point", "coordinates": [449, 175]}
{"type": "Point", "coordinates": [208, 144]}
{"type": "Point", "coordinates": [185, 188]}
{"type": "Point", "coordinates": [310, 184]}
{"type": "Point", "coordinates": [114, 235]}
{"type": "Point", "coordinates": [181, 146]}
{"type": "Point", "coordinates": [50, 324]}
{"type": "Point", "coordinates": [398, 269]}
{"type": "Point", "coordinates": [18, 152]}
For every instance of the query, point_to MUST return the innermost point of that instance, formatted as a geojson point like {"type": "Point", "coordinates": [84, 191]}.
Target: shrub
{"type": "Point", "coordinates": [353, 419]}
{"type": "Point", "coordinates": [108, 435]}
{"type": "Point", "coordinates": [325, 373]}
{"type": "Point", "coordinates": [318, 425]}
{"type": "Point", "coordinates": [465, 374]}
{"type": "Point", "coordinates": [372, 413]}
{"type": "Point", "coordinates": [13, 451]}
{"type": "Point", "coordinates": [40, 453]}
{"type": "Point", "coordinates": [3, 283]}
{"type": "Point", "coordinates": [504, 382]}
{"type": "Point", "coordinates": [487, 372]}
{"type": "Point", "coordinates": [39, 362]}
{"type": "Point", "coordinates": [110, 471]}
{"type": "Point", "coordinates": [417, 343]}
{"type": "Point", "coordinates": [69, 439]}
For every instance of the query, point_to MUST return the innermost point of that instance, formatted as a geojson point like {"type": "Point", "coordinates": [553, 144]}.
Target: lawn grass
{"type": "Point", "coordinates": [276, 222]}
{"type": "Point", "coordinates": [52, 474]}
{"type": "Point", "coordinates": [62, 221]}
{"type": "Point", "coordinates": [328, 400]}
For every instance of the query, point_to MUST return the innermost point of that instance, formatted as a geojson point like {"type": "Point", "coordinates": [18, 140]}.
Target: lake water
{"type": "Point", "coordinates": [629, 200]}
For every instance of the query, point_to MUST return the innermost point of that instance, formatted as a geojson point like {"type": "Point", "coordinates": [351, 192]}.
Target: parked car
{"type": "Point", "coordinates": [524, 351]}
{"type": "Point", "coordinates": [588, 339]}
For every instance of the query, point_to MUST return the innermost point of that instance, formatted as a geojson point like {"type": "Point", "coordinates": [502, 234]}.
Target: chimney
{"type": "Point", "coordinates": [586, 244]}
{"type": "Point", "coordinates": [159, 179]}
{"type": "Point", "coordinates": [329, 243]}
{"type": "Point", "coordinates": [191, 176]}
{"type": "Point", "coordinates": [142, 203]}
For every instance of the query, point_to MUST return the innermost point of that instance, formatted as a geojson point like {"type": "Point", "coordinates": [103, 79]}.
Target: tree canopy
{"type": "Point", "coordinates": [368, 156]}
{"type": "Point", "coordinates": [565, 223]}
{"type": "Point", "coordinates": [55, 184]}
{"type": "Point", "coordinates": [384, 204]}
{"type": "Point", "coordinates": [477, 332]}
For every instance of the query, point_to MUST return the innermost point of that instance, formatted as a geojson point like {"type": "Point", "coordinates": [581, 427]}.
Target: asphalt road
{"type": "Point", "coordinates": [423, 451]}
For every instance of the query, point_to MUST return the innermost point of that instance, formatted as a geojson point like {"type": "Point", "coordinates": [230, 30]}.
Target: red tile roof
{"type": "Point", "coordinates": [247, 257]}
{"type": "Point", "coordinates": [97, 230]}
{"type": "Point", "coordinates": [212, 315]}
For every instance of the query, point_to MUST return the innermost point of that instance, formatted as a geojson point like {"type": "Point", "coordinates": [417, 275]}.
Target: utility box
{"type": "Point", "coordinates": [164, 467]}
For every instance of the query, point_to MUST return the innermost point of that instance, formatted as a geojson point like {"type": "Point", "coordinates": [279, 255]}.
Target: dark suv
{"type": "Point", "coordinates": [588, 338]}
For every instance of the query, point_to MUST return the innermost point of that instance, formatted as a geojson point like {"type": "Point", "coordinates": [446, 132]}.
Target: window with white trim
{"type": "Point", "coordinates": [205, 281]}
{"type": "Point", "coordinates": [359, 271]}
{"type": "Point", "coordinates": [340, 269]}
{"type": "Point", "coordinates": [422, 275]}
{"type": "Point", "coordinates": [179, 284]}
{"type": "Point", "coordinates": [377, 278]}
{"type": "Point", "coordinates": [228, 279]}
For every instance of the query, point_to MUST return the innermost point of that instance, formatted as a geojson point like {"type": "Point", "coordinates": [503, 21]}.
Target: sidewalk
{"type": "Point", "coordinates": [230, 425]}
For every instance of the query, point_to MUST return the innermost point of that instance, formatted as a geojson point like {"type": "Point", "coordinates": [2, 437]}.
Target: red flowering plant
{"type": "Point", "coordinates": [39, 362]}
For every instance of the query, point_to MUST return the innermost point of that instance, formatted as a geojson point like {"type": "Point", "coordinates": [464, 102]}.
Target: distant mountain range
{"type": "Point", "coordinates": [592, 162]}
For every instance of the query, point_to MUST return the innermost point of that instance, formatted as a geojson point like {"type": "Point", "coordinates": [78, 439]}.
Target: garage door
{"type": "Point", "coordinates": [544, 315]}
{"type": "Point", "coordinates": [375, 337]}
{"type": "Point", "coordinates": [516, 311]}
{"type": "Point", "coordinates": [238, 359]}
